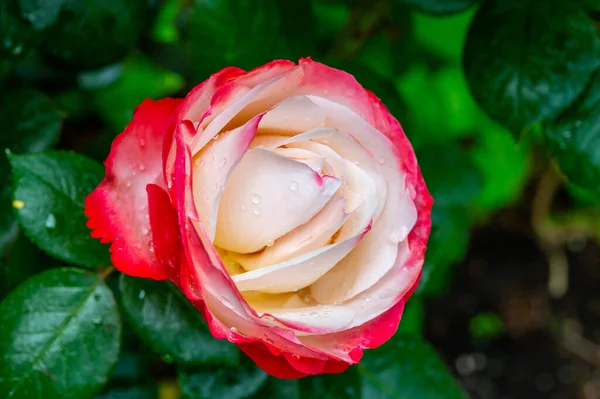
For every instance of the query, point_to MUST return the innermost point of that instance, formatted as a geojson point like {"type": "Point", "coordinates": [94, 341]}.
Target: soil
{"type": "Point", "coordinates": [547, 347]}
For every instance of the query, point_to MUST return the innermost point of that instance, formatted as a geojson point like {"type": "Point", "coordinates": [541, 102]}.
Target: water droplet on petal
{"type": "Point", "coordinates": [294, 186]}
{"type": "Point", "coordinates": [256, 199]}
{"type": "Point", "coordinates": [223, 162]}
{"type": "Point", "coordinates": [313, 314]}
{"type": "Point", "coordinates": [142, 168]}
{"type": "Point", "coordinates": [233, 330]}
{"type": "Point", "coordinates": [269, 243]}
{"type": "Point", "coordinates": [368, 299]}
{"type": "Point", "coordinates": [381, 161]}
{"type": "Point", "coordinates": [295, 356]}
{"type": "Point", "coordinates": [142, 142]}
{"type": "Point", "coordinates": [257, 211]}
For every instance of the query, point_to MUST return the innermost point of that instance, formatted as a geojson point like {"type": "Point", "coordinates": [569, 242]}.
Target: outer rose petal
{"type": "Point", "coordinates": [118, 207]}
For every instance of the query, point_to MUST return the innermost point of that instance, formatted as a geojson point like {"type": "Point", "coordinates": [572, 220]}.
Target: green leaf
{"type": "Point", "coordinates": [17, 35]}
{"type": "Point", "coordinates": [439, 7]}
{"type": "Point", "coordinates": [140, 78]}
{"type": "Point", "coordinates": [573, 139]}
{"type": "Point", "coordinates": [59, 336]}
{"type": "Point", "coordinates": [276, 388]}
{"type": "Point", "coordinates": [443, 36]}
{"type": "Point", "coordinates": [504, 165]}
{"type": "Point", "coordinates": [299, 27]}
{"type": "Point", "coordinates": [49, 192]}
{"type": "Point", "coordinates": [130, 393]}
{"type": "Point", "coordinates": [22, 260]}
{"type": "Point", "coordinates": [171, 325]}
{"type": "Point", "coordinates": [343, 386]}
{"type": "Point", "coordinates": [534, 63]}
{"type": "Point", "coordinates": [40, 13]}
{"type": "Point", "coordinates": [447, 245]}
{"type": "Point", "coordinates": [225, 382]}
{"type": "Point", "coordinates": [406, 368]}
{"type": "Point", "coordinates": [243, 33]}
{"type": "Point", "coordinates": [413, 317]}
{"type": "Point", "coordinates": [451, 177]}
{"type": "Point", "coordinates": [93, 33]}
{"type": "Point", "coordinates": [30, 122]}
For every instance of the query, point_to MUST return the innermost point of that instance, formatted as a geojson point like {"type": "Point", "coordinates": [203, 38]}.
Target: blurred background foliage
{"type": "Point", "coordinates": [500, 99]}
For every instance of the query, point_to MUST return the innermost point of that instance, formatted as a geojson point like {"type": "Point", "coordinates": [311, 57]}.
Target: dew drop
{"type": "Point", "coordinates": [256, 199]}
{"type": "Point", "coordinates": [50, 221]}
{"type": "Point", "coordinates": [142, 142]}
{"type": "Point", "coordinates": [307, 299]}
{"type": "Point", "coordinates": [381, 161]}
{"type": "Point", "coordinates": [257, 211]}
{"type": "Point", "coordinates": [268, 340]}
{"type": "Point", "coordinates": [368, 299]}
{"type": "Point", "coordinates": [97, 321]}
{"type": "Point", "coordinates": [313, 314]}
{"type": "Point", "coordinates": [567, 134]}
{"type": "Point", "coordinates": [269, 243]}
{"type": "Point", "coordinates": [145, 231]}
{"type": "Point", "coordinates": [294, 186]}
{"type": "Point", "coordinates": [356, 163]}
{"type": "Point", "coordinates": [142, 294]}
{"type": "Point", "coordinates": [233, 330]}
{"type": "Point", "coordinates": [142, 168]}
{"type": "Point", "coordinates": [212, 159]}
{"type": "Point", "coordinates": [295, 356]}
{"type": "Point", "coordinates": [326, 308]}
{"type": "Point", "coordinates": [97, 297]}
{"type": "Point", "coordinates": [128, 184]}
{"type": "Point", "coordinates": [223, 162]}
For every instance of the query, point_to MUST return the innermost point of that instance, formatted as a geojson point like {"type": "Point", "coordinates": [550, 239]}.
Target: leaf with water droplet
{"type": "Point", "coordinates": [534, 63]}
{"type": "Point", "coordinates": [578, 153]}
{"type": "Point", "coordinates": [61, 351]}
{"type": "Point", "coordinates": [55, 184]}
{"type": "Point", "coordinates": [168, 323]}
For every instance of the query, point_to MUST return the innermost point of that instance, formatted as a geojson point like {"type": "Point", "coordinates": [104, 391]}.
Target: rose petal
{"type": "Point", "coordinates": [377, 253]}
{"type": "Point", "coordinates": [293, 115]}
{"type": "Point", "coordinates": [267, 196]}
{"type": "Point", "coordinates": [118, 207]}
{"type": "Point", "coordinates": [213, 167]}
{"type": "Point", "coordinates": [305, 238]}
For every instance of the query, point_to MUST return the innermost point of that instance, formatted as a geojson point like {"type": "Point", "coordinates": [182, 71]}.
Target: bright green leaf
{"type": "Point", "coordinates": [534, 63]}
{"type": "Point", "coordinates": [225, 382]}
{"type": "Point", "coordinates": [59, 336]}
{"type": "Point", "coordinates": [140, 78]}
{"type": "Point", "coordinates": [49, 193]}
{"type": "Point", "coordinates": [439, 6]}
{"type": "Point", "coordinates": [573, 139]}
{"type": "Point", "coordinates": [443, 36]}
{"type": "Point", "coordinates": [407, 368]}
{"type": "Point", "coordinates": [170, 325]}
{"type": "Point", "coordinates": [504, 164]}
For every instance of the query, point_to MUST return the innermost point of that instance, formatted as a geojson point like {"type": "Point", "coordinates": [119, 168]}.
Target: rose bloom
{"type": "Point", "coordinates": [287, 205]}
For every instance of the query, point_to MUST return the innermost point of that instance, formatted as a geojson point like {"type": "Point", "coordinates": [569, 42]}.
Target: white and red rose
{"type": "Point", "coordinates": [287, 205]}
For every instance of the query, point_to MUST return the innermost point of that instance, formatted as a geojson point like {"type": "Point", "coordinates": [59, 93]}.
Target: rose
{"type": "Point", "coordinates": [287, 205]}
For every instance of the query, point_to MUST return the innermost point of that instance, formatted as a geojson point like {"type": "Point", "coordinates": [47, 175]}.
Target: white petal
{"type": "Point", "coordinates": [267, 196]}
{"type": "Point", "coordinates": [311, 236]}
{"type": "Point", "coordinates": [293, 115]}
{"type": "Point", "coordinates": [362, 186]}
{"type": "Point", "coordinates": [306, 157]}
{"type": "Point", "coordinates": [212, 168]}
{"type": "Point", "coordinates": [377, 253]}
{"type": "Point", "coordinates": [296, 273]}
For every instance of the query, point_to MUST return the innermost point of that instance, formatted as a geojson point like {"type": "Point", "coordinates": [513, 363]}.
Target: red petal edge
{"type": "Point", "coordinates": [118, 208]}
